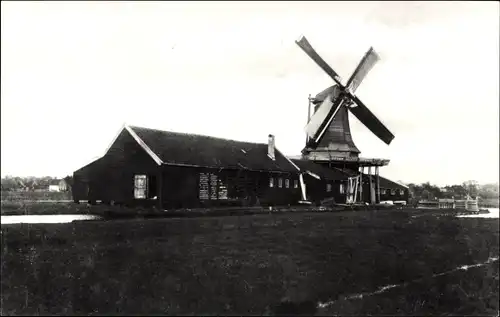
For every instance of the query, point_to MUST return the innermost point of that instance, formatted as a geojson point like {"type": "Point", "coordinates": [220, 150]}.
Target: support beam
{"type": "Point", "coordinates": [308, 114]}
{"type": "Point", "coordinates": [362, 169]}
{"type": "Point", "coordinates": [378, 184]}
{"type": "Point", "coordinates": [372, 194]}
{"type": "Point", "coordinates": [160, 189]}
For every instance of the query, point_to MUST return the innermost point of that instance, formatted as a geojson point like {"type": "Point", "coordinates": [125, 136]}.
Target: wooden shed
{"type": "Point", "coordinates": [322, 182]}
{"type": "Point", "coordinates": [151, 167]}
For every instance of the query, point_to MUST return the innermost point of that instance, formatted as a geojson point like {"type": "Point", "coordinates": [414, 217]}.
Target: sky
{"type": "Point", "coordinates": [72, 73]}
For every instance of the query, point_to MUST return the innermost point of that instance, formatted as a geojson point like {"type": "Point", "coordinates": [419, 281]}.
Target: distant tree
{"type": "Point", "coordinates": [9, 183]}
{"type": "Point", "coordinates": [471, 187]}
{"type": "Point", "coordinates": [489, 191]}
{"type": "Point", "coordinates": [69, 180]}
{"type": "Point", "coordinates": [426, 194]}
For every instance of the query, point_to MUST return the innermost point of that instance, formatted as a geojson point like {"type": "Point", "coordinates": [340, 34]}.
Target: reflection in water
{"type": "Point", "coordinates": [45, 218]}
{"type": "Point", "coordinates": [492, 214]}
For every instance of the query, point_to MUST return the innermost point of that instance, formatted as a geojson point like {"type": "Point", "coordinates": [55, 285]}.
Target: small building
{"type": "Point", "coordinates": [393, 191]}
{"type": "Point", "coordinates": [446, 203]}
{"type": "Point", "coordinates": [63, 185]}
{"type": "Point", "coordinates": [166, 169]}
{"type": "Point", "coordinates": [54, 186]}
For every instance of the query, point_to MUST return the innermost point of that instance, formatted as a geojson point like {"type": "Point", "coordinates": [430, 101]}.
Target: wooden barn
{"type": "Point", "coordinates": [322, 182]}
{"type": "Point", "coordinates": [150, 167]}
{"type": "Point", "coordinates": [393, 191]}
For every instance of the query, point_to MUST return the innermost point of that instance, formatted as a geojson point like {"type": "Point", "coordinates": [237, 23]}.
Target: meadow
{"type": "Point", "coordinates": [287, 263]}
{"type": "Point", "coordinates": [23, 196]}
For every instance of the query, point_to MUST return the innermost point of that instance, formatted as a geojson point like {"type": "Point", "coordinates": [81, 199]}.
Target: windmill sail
{"type": "Point", "coordinates": [335, 97]}
{"type": "Point", "coordinates": [322, 118]}
{"type": "Point", "coordinates": [309, 50]}
{"type": "Point", "coordinates": [371, 122]}
{"type": "Point", "coordinates": [319, 117]}
{"type": "Point", "coordinates": [366, 64]}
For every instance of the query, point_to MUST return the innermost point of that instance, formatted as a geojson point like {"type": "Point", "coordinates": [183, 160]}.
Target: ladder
{"type": "Point", "coordinates": [352, 189]}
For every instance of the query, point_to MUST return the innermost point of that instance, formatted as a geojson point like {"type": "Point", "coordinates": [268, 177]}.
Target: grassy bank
{"type": "Point", "coordinates": [116, 212]}
{"type": "Point", "coordinates": [12, 196]}
{"type": "Point", "coordinates": [242, 265]}
{"type": "Point", "coordinates": [113, 212]}
{"type": "Point", "coordinates": [489, 203]}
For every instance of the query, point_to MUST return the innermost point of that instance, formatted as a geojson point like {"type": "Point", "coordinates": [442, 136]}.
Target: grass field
{"type": "Point", "coordinates": [253, 265]}
{"type": "Point", "coordinates": [11, 196]}
{"type": "Point", "coordinates": [63, 207]}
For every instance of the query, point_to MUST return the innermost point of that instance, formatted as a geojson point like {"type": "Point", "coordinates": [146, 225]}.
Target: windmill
{"type": "Point", "coordinates": [328, 133]}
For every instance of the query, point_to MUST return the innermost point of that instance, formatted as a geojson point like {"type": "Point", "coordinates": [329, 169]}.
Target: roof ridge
{"type": "Point", "coordinates": [195, 134]}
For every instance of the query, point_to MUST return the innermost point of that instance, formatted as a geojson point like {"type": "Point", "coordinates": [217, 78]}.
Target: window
{"type": "Point", "coordinates": [401, 192]}
{"type": "Point", "coordinates": [328, 187]}
{"type": "Point", "coordinates": [342, 189]}
{"type": "Point", "coordinates": [393, 192]}
{"type": "Point", "coordinates": [140, 186]}
{"type": "Point", "coordinates": [271, 182]}
{"type": "Point", "coordinates": [295, 183]}
{"type": "Point", "coordinates": [382, 191]}
{"type": "Point", "coordinates": [222, 190]}
{"type": "Point", "coordinates": [213, 186]}
{"type": "Point", "coordinates": [280, 182]}
{"type": "Point", "coordinates": [204, 186]}
{"type": "Point", "coordinates": [287, 183]}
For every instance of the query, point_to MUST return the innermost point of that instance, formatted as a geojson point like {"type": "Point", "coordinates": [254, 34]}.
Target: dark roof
{"type": "Point", "coordinates": [320, 170]}
{"type": "Point", "coordinates": [206, 151]}
{"type": "Point", "coordinates": [387, 183]}
{"type": "Point", "coordinates": [94, 165]}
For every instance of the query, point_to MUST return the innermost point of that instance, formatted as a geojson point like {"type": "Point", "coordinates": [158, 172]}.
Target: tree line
{"type": "Point", "coordinates": [32, 183]}
{"type": "Point", "coordinates": [424, 191]}
{"type": "Point", "coordinates": [427, 191]}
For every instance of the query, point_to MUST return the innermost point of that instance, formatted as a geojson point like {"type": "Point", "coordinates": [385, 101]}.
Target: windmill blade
{"type": "Point", "coordinates": [322, 118]}
{"type": "Point", "coordinates": [319, 117]}
{"type": "Point", "coordinates": [334, 91]}
{"type": "Point", "coordinates": [370, 121]}
{"type": "Point", "coordinates": [309, 50]}
{"type": "Point", "coordinates": [365, 65]}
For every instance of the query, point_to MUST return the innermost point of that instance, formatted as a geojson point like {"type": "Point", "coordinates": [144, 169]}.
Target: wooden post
{"type": "Point", "coordinates": [378, 184]}
{"type": "Point", "coordinates": [308, 114]}
{"type": "Point", "coordinates": [370, 184]}
{"type": "Point", "coordinates": [160, 189]}
{"type": "Point", "coordinates": [361, 183]}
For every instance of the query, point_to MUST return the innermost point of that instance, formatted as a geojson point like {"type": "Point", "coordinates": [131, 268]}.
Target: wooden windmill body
{"type": "Point", "coordinates": [329, 140]}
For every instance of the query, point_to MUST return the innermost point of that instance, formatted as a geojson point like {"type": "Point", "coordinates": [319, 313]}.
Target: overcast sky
{"type": "Point", "coordinates": [74, 72]}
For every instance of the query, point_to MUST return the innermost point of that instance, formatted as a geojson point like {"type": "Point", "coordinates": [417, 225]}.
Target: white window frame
{"type": "Point", "coordinates": [383, 191]}
{"type": "Point", "coordinates": [328, 188]}
{"type": "Point", "coordinates": [295, 183]}
{"type": "Point", "coordinates": [401, 192]}
{"type": "Point", "coordinates": [280, 182]}
{"type": "Point", "coordinates": [287, 183]}
{"type": "Point", "coordinates": [393, 192]}
{"type": "Point", "coordinates": [271, 182]}
{"type": "Point", "coordinates": [342, 189]}
{"type": "Point", "coordinates": [140, 190]}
